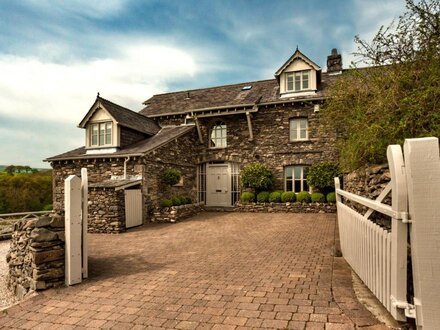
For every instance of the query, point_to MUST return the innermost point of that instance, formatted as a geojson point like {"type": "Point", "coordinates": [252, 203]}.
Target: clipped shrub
{"type": "Point", "coordinates": [167, 203]}
{"type": "Point", "coordinates": [257, 176]}
{"type": "Point", "coordinates": [247, 197]}
{"type": "Point", "coordinates": [263, 197]}
{"type": "Point", "coordinates": [170, 176]}
{"type": "Point", "coordinates": [275, 197]}
{"type": "Point", "coordinates": [288, 196]}
{"type": "Point", "coordinates": [321, 176]}
{"type": "Point", "coordinates": [331, 197]}
{"type": "Point", "coordinates": [303, 197]}
{"type": "Point", "coordinates": [176, 201]}
{"type": "Point", "coordinates": [318, 197]}
{"type": "Point", "coordinates": [280, 191]}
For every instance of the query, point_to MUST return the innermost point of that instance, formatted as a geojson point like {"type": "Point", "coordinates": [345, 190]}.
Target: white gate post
{"type": "Point", "coordinates": [85, 212]}
{"type": "Point", "coordinates": [399, 232]}
{"type": "Point", "coordinates": [72, 206]}
{"type": "Point", "coordinates": [423, 175]}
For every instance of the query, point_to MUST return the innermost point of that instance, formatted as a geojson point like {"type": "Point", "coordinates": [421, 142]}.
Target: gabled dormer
{"type": "Point", "coordinates": [298, 76]}
{"type": "Point", "coordinates": [110, 127]}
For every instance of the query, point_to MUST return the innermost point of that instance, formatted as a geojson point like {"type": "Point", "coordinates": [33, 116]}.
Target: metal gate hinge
{"type": "Point", "coordinates": [410, 310]}
{"type": "Point", "coordinates": [404, 216]}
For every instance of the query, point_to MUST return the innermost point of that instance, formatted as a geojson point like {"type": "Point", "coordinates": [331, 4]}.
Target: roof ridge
{"type": "Point", "coordinates": [213, 87]}
{"type": "Point", "coordinates": [123, 108]}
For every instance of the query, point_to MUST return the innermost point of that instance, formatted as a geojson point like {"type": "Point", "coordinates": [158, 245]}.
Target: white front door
{"type": "Point", "coordinates": [218, 181]}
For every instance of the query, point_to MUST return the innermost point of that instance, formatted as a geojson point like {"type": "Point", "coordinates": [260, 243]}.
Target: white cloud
{"type": "Point", "coordinates": [30, 87]}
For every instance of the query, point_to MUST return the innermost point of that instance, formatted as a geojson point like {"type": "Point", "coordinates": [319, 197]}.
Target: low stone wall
{"type": "Point", "coordinates": [286, 207]}
{"type": "Point", "coordinates": [175, 213]}
{"type": "Point", "coordinates": [106, 211]}
{"type": "Point", "coordinates": [36, 255]}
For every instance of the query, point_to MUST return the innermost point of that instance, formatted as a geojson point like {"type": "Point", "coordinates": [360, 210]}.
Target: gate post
{"type": "Point", "coordinates": [85, 212]}
{"type": "Point", "coordinates": [72, 205]}
{"type": "Point", "coordinates": [399, 232]}
{"type": "Point", "coordinates": [423, 175]}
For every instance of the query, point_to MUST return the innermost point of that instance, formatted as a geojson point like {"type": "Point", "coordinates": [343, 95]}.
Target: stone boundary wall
{"type": "Point", "coordinates": [286, 208]}
{"type": "Point", "coordinates": [106, 211]}
{"type": "Point", "coordinates": [36, 255]}
{"type": "Point", "coordinates": [176, 213]}
{"type": "Point", "coordinates": [369, 182]}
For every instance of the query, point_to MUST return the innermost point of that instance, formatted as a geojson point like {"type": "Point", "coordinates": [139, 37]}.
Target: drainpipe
{"type": "Point", "coordinates": [125, 167]}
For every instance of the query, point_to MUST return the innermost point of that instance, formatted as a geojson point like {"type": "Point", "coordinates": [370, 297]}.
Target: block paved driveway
{"type": "Point", "coordinates": [213, 271]}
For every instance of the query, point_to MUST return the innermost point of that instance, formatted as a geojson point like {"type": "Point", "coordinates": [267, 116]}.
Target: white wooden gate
{"type": "Point", "coordinates": [379, 257]}
{"type": "Point", "coordinates": [76, 211]}
{"type": "Point", "coordinates": [133, 207]}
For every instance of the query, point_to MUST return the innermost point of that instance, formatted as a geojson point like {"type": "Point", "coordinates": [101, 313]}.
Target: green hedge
{"type": "Point", "coordinates": [318, 197]}
{"type": "Point", "coordinates": [288, 196]}
{"type": "Point", "coordinates": [263, 197]}
{"type": "Point", "coordinates": [275, 197]}
{"type": "Point", "coordinates": [247, 197]}
{"type": "Point", "coordinates": [303, 197]}
{"type": "Point", "coordinates": [331, 197]}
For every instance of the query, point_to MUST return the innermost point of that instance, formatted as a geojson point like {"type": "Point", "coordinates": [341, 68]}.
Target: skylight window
{"type": "Point", "coordinates": [246, 88]}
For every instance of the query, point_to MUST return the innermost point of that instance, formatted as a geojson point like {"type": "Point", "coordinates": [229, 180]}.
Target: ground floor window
{"type": "Point", "coordinates": [235, 184]}
{"type": "Point", "coordinates": [201, 183]}
{"type": "Point", "coordinates": [296, 178]}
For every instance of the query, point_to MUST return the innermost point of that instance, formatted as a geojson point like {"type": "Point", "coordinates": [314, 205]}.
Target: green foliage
{"type": "Point", "coordinates": [397, 97]}
{"type": "Point", "coordinates": [321, 176]}
{"type": "Point", "coordinates": [48, 207]}
{"type": "Point", "coordinates": [288, 196]}
{"type": "Point", "coordinates": [185, 200]}
{"type": "Point", "coordinates": [257, 176]}
{"type": "Point", "coordinates": [318, 197]}
{"type": "Point", "coordinates": [263, 197]}
{"type": "Point", "coordinates": [167, 203]}
{"type": "Point", "coordinates": [275, 197]}
{"type": "Point", "coordinates": [303, 197]}
{"type": "Point", "coordinates": [247, 197]}
{"type": "Point", "coordinates": [331, 197]}
{"type": "Point", "coordinates": [176, 201]}
{"type": "Point", "coordinates": [171, 176]}
{"type": "Point", "coordinates": [22, 192]}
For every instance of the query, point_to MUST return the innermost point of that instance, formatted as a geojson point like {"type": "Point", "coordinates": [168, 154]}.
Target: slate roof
{"type": "Point", "coordinates": [164, 136]}
{"type": "Point", "coordinates": [262, 92]}
{"type": "Point", "coordinates": [117, 184]}
{"type": "Point", "coordinates": [128, 118]}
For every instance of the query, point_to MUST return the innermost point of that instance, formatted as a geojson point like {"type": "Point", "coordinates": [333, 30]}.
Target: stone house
{"type": "Point", "coordinates": [209, 135]}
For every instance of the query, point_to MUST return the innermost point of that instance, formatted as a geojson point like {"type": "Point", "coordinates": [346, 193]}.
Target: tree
{"type": "Point", "coordinates": [10, 169]}
{"type": "Point", "coordinates": [398, 96]}
{"type": "Point", "coordinates": [257, 176]}
{"type": "Point", "coordinates": [321, 176]}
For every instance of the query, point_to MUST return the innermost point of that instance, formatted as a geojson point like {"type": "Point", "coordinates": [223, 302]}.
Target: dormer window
{"type": "Point", "coordinates": [101, 134]}
{"type": "Point", "coordinates": [297, 81]}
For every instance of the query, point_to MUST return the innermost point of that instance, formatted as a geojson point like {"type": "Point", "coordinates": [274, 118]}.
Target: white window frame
{"type": "Point", "coordinates": [295, 126]}
{"type": "Point", "coordinates": [218, 135]}
{"type": "Point", "coordinates": [302, 178]}
{"type": "Point", "coordinates": [104, 139]}
{"type": "Point", "coordinates": [301, 75]}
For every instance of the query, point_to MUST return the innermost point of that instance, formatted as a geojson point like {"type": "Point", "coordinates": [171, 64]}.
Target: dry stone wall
{"type": "Point", "coordinates": [106, 211]}
{"type": "Point", "coordinates": [176, 213]}
{"type": "Point", "coordinates": [286, 208]}
{"type": "Point", "coordinates": [36, 255]}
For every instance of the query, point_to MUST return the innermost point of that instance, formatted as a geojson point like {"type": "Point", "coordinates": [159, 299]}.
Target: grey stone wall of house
{"type": "Point", "coordinates": [179, 154]}
{"type": "Point", "coordinates": [176, 213]}
{"type": "Point", "coordinates": [369, 182]}
{"type": "Point", "coordinates": [106, 211]}
{"type": "Point", "coordinates": [36, 255]}
{"type": "Point", "coordinates": [129, 136]}
{"type": "Point", "coordinates": [271, 145]}
{"type": "Point", "coordinates": [286, 207]}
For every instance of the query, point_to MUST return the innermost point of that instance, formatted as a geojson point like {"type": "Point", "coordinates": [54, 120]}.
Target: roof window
{"type": "Point", "coordinates": [246, 88]}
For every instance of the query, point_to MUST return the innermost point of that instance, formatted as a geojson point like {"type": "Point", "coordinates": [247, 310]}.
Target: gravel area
{"type": "Point", "coordinates": [6, 298]}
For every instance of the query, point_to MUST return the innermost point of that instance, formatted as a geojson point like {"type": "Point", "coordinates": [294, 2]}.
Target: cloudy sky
{"type": "Point", "coordinates": [56, 55]}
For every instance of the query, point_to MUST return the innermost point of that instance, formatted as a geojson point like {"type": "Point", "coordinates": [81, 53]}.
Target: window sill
{"type": "Point", "coordinates": [300, 141]}
{"type": "Point", "coordinates": [217, 148]}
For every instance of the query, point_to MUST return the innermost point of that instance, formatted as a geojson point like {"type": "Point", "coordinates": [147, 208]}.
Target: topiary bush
{"type": "Point", "coordinates": [303, 197]}
{"type": "Point", "coordinates": [247, 197]}
{"type": "Point", "coordinates": [263, 197]}
{"type": "Point", "coordinates": [331, 197]}
{"type": "Point", "coordinates": [275, 197]}
{"type": "Point", "coordinates": [257, 176]}
{"type": "Point", "coordinates": [288, 196]}
{"type": "Point", "coordinates": [170, 176]}
{"type": "Point", "coordinates": [318, 197]}
{"type": "Point", "coordinates": [176, 201]}
{"type": "Point", "coordinates": [321, 176]}
{"type": "Point", "coordinates": [167, 203]}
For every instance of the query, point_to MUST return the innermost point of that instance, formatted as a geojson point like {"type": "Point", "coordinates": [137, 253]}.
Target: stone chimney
{"type": "Point", "coordinates": [334, 62]}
